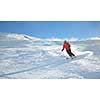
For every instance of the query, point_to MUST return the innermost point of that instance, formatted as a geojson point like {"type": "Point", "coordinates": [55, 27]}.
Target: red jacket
{"type": "Point", "coordinates": [66, 46]}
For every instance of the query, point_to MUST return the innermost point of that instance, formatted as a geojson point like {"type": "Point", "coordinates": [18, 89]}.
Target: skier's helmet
{"type": "Point", "coordinates": [65, 41]}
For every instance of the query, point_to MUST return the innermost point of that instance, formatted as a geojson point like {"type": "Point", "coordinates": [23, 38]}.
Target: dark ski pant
{"type": "Point", "coordinates": [70, 53]}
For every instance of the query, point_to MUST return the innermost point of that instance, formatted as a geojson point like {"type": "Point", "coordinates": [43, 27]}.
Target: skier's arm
{"type": "Point", "coordinates": [69, 45]}
{"type": "Point", "coordinates": [63, 48]}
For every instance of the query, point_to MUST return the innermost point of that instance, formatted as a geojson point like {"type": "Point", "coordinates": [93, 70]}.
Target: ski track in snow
{"type": "Point", "coordinates": [30, 69]}
{"type": "Point", "coordinates": [37, 58]}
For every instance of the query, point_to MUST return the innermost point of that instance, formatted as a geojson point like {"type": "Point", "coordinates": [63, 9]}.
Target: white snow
{"type": "Point", "coordinates": [23, 56]}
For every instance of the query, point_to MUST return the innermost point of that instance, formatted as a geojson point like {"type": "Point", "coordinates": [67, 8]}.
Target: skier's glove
{"type": "Point", "coordinates": [62, 49]}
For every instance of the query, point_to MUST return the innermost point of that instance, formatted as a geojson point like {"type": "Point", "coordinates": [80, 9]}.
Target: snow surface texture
{"type": "Point", "coordinates": [22, 56]}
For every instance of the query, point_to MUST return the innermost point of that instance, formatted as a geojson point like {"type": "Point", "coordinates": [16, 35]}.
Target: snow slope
{"type": "Point", "coordinates": [22, 56]}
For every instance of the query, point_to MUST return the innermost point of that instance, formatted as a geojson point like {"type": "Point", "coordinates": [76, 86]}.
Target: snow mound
{"type": "Point", "coordinates": [14, 36]}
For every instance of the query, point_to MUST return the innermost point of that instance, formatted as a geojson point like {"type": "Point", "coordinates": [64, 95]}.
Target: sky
{"type": "Point", "coordinates": [55, 29]}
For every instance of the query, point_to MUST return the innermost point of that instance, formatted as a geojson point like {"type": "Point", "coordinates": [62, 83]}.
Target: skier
{"type": "Point", "coordinates": [67, 46]}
